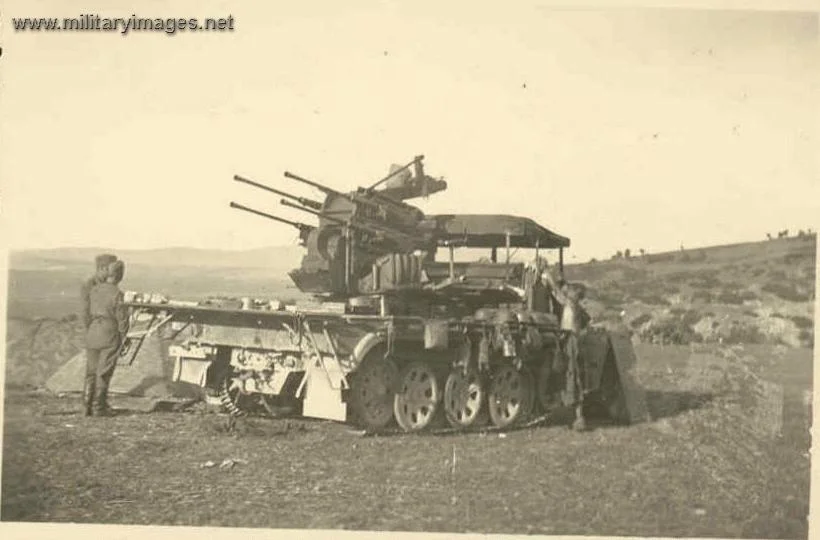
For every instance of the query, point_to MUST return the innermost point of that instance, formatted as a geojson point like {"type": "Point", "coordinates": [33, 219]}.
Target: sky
{"type": "Point", "coordinates": [619, 128]}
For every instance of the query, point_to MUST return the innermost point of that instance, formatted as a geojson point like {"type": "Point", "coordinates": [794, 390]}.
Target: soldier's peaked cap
{"type": "Point", "coordinates": [104, 259]}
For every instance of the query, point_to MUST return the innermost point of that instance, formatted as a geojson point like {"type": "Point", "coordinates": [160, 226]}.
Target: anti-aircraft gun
{"type": "Point", "coordinates": [398, 336]}
{"type": "Point", "coordinates": [357, 229]}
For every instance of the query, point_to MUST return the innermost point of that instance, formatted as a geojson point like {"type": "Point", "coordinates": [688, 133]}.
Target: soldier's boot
{"type": "Point", "coordinates": [580, 423]}
{"type": "Point", "coordinates": [101, 407]}
{"type": "Point", "coordinates": [88, 399]}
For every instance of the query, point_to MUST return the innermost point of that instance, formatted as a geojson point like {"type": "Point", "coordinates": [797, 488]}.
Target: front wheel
{"type": "Point", "coordinates": [371, 391]}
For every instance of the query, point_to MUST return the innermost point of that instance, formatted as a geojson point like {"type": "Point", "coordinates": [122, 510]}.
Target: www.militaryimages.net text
{"type": "Point", "coordinates": [96, 23]}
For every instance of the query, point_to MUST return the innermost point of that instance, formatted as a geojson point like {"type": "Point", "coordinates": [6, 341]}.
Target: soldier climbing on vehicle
{"type": "Point", "coordinates": [537, 290]}
{"type": "Point", "coordinates": [574, 321]}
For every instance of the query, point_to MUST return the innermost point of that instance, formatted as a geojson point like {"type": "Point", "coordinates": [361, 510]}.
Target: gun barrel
{"type": "Point", "coordinates": [300, 226]}
{"type": "Point", "coordinates": [317, 185]}
{"type": "Point", "coordinates": [286, 202]}
{"type": "Point", "coordinates": [330, 191]}
{"type": "Point", "coordinates": [416, 160]}
{"type": "Point", "coordinates": [302, 200]}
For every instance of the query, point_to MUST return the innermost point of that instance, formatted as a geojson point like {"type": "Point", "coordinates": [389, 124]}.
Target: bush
{"type": "Point", "coordinates": [727, 296]}
{"type": "Point", "coordinates": [807, 337]}
{"type": "Point", "coordinates": [744, 333]}
{"type": "Point", "coordinates": [691, 317]}
{"type": "Point", "coordinates": [664, 257]}
{"type": "Point", "coordinates": [640, 319]}
{"type": "Point", "coordinates": [697, 256]}
{"type": "Point", "coordinates": [802, 322]}
{"type": "Point", "coordinates": [609, 298]}
{"type": "Point", "coordinates": [748, 295]}
{"type": "Point", "coordinates": [791, 258]}
{"type": "Point", "coordinates": [652, 299]}
{"type": "Point", "coordinates": [778, 275]}
{"type": "Point", "coordinates": [785, 291]}
{"type": "Point", "coordinates": [749, 313]}
{"type": "Point", "coordinates": [703, 296]}
{"type": "Point", "coordinates": [672, 331]}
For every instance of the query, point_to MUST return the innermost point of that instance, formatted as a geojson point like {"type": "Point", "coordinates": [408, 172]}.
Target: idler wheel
{"type": "Point", "coordinates": [511, 396]}
{"type": "Point", "coordinates": [464, 397]}
{"type": "Point", "coordinates": [371, 391]}
{"type": "Point", "coordinates": [417, 398]}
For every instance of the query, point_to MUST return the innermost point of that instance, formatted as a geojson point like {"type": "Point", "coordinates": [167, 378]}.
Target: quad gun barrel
{"type": "Point", "coordinates": [304, 201]}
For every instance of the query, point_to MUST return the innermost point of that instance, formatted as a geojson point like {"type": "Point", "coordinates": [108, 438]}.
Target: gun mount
{"type": "Point", "coordinates": [358, 228]}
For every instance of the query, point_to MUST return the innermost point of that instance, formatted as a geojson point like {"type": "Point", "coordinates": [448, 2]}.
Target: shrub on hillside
{"type": "Point", "coordinates": [702, 296]}
{"type": "Point", "coordinates": [677, 277]}
{"type": "Point", "coordinates": [785, 291]}
{"type": "Point", "coordinates": [640, 320]}
{"type": "Point", "coordinates": [691, 317]}
{"type": "Point", "coordinates": [807, 337]}
{"type": "Point", "coordinates": [728, 296]}
{"type": "Point", "coordinates": [687, 257]}
{"type": "Point", "coordinates": [791, 258]}
{"type": "Point", "coordinates": [671, 331]}
{"type": "Point", "coordinates": [802, 322]}
{"type": "Point", "coordinates": [652, 299]}
{"type": "Point", "coordinates": [606, 297]}
{"type": "Point", "coordinates": [661, 257]}
{"type": "Point", "coordinates": [741, 333]}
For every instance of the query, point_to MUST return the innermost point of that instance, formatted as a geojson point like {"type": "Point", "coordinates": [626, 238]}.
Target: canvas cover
{"type": "Point", "coordinates": [148, 375]}
{"type": "Point", "coordinates": [488, 230]}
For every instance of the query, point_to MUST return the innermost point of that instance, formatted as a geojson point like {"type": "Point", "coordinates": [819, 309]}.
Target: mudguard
{"type": "Point", "coordinates": [367, 344]}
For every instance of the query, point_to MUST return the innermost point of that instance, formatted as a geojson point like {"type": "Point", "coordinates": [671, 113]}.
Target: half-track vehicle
{"type": "Point", "coordinates": [396, 338]}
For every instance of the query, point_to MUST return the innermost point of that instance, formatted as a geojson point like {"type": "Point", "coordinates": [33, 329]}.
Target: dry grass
{"type": "Point", "coordinates": [710, 463]}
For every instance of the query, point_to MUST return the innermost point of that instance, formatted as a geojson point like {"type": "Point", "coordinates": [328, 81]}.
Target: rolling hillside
{"type": "Point", "coordinates": [760, 292]}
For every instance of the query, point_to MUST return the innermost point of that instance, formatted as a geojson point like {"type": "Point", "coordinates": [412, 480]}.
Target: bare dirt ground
{"type": "Point", "coordinates": [726, 454]}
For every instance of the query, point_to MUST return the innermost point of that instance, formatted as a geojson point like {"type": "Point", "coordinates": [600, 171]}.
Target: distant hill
{"type": "Point", "coordinates": [757, 292]}
{"type": "Point", "coordinates": [275, 258]}
{"type": "Point", "coordinates": [753, 292]}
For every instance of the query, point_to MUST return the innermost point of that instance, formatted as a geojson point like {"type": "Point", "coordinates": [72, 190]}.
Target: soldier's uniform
{"type": "Point", "coordinates": [574, 320]}
{"type": "Point", "coordinates": [101, 262]}
{"type": "Point", "coordinates": [107, 327]}
{"type": "Point", "coordinates": [538, 294]}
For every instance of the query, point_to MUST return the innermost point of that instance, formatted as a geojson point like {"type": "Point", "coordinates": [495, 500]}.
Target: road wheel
{"type": "Point", "coordinates": [417, 397]}
{"type": "Point", "coordinates": [511, 395]}
{"type": "Point", "coordinates": [464, 397]}
{"type": "Point", "coordinates": [371, 391]}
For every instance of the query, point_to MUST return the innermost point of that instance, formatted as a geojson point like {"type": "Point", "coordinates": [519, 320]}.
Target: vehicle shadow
{"type": "Point", "coordinates": [659, 404]}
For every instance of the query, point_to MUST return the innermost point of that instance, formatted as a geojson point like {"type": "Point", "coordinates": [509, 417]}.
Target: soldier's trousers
{"type": "Point", "coordinates": [574, 390]}
{"type": "Point", "coordinates": [99, 369]}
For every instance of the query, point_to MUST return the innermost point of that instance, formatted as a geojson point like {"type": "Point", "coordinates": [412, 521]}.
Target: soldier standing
{"type": "Point", "coordinates": [107, 327]}
{"type": "Point", "coordinates": [102, 262]}
{"type": "Point", "coordinates": [574, 320]}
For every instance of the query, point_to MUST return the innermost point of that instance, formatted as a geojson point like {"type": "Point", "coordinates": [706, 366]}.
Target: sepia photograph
{"type": "Point", "coordinates": [387, 268]}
